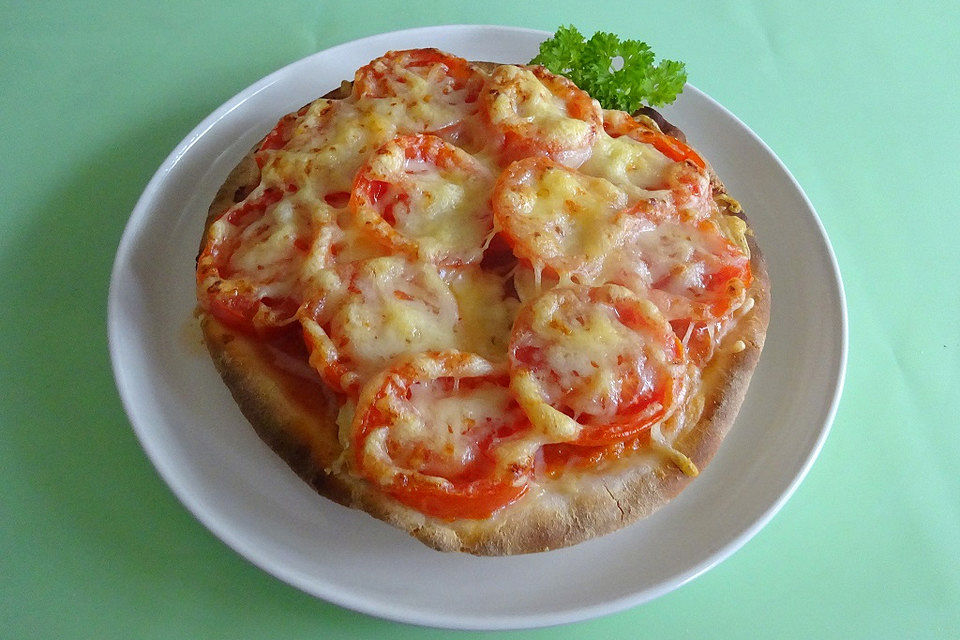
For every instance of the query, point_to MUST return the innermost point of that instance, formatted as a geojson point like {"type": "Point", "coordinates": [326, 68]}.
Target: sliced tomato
{"type": "Point", "coordinates": [428, 431]}
{"type": "Point", "coordinates": [620, 123]}
{"type": "Point", "coordinates": [697, 332]}
{"type": "Point", "coordinates": [602, 356]}
{"type": "Point", "coordinates": [391, 75]}
{"type": "Point", "coordinates": [699, 294]}
{"type": "Point", "coordinates": [373, 311]}
{"type": "Point", "coordinates": [556, 217]}
{"type": "Point", "coordinates": [250, 260]}
{"type": "Point", "coordinates": [709, 267]}
{"type": "Point", "coordinates": [555, 458]}
{"type": "Point", "coordinates": [438, 91]}
{"type": "Point", "coordinates": [426, 198]}
{"type": "Point", "coordinates": [687, 178]}
{"type": "Point", "coordinates": [536, 113]}
{"type": "Point", "coordinates": [283, 131]}
{"type": "Point", "coordinates": [700, 325]}
{"type": "Point", "coordinates": [303, 128]}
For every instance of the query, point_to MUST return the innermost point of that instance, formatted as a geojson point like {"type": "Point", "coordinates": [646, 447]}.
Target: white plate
{"type": "Point", "coordinates": [211, 458]}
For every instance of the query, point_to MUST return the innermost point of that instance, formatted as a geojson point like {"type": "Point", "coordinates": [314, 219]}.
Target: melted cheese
{"type": "Point", "coordinates": [428, 95]}
{"type": "Point", "coordinates": [443, 209]}
{"type": "Point", "coordinates": [528, 107]}
{"type": "Point", "coordinates": [396, 308]}
{"type": "Point", "coordinates": [266, 247]}
{"type": "Point", "coordinates": [326, 158]}
{"type": "Point", "coordinates": [528, 100]}
{"type": "Point", "coordinates": [372, 308]}
{"type": "Point", "coordinates": [635, 167]}
{"type": "Point", "coordinates": [486, 312]}
{"type": "Point", "coordinates": [451, 422]}
{"type": "Point", "coordinates": [442, 216]}
{"type": "Point", "coordinates": [592, 232]}
{"type": "Point", "coordinates": [437, 417]}
{"type": "Point", "coordinates": [567, 220]}
{"type": "Point", "coordinates": [588, 352]}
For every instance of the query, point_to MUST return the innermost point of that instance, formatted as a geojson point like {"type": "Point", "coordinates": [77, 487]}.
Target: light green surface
{"type": "Point", "coordinates": [859, 101]}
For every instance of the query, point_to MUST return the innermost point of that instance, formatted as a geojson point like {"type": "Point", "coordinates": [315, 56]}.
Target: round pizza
{"type": "Point", "coordinates": [471, 302]}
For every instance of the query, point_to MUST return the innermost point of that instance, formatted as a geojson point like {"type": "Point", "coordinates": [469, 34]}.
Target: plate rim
{"type": "Point", "coordinates": [385, 610]}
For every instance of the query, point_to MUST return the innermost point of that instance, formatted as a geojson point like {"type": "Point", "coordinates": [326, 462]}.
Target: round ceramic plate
{"type": "Point", "coordinates": [233, 483]}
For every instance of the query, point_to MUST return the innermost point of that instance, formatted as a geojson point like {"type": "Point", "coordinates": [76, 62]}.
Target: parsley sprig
{"type": "Point", "coordinates": [594, 66]}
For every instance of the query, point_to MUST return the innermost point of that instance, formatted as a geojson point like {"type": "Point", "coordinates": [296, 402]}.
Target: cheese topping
{"type": "Point", "coordinates": [560, 218]}
{"type": "Point", "coordinates": [386, 307]}
{"type": "Point", "coordinates": [449, 421]}
{"type": "Point", "coordinates": [486, 312]}
{"type": "Point", "coordinates": [600, 355]}
{"type": "Point", "coordinates": [428, 197]}
{"type": "Point", "coordinates": [538, 113]}
{"type": "Point", "coordinates": [377, 214]}
{"type": "Point", "coordinates": [636, 167]}
{"type": "Point", "coordinates": [529, 101]}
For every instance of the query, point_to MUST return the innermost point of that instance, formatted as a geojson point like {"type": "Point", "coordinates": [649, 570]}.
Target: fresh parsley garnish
{"type": "Point", "coordinates": [595, 66]}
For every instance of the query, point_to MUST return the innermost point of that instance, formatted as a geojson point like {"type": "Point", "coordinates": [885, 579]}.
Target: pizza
{"type": "Point", "coordinates": [468, 300]}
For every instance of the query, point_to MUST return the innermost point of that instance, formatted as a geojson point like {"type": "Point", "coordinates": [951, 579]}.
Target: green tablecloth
{"type": "Point", "coordinates": [859, 100]}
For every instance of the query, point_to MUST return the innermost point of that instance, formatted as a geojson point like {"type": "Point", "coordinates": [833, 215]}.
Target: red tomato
{"type": "Point", "coordinates": [602, 356]}
{"type": "Point", "coordinates": [283, 131]}
{"type": "Point", "coordinates": [302, 130]}
{"type": "Point", "coordinates": [687, 179]}
{"type": "Point", "coordinates": [233, 285]}
{"type": "Point", "coordinates": [556, 217]}
{"type": "Point", "coordinates": [698, 323]}
{"type": "Point", "coordinates": [537, 113]}
{"type": "Point", "coordinates": [382, 308]}
{"type": "Point", "coordinates": [555, 458]}
{"type": "Point", "coordinates": [705, 277]}
{"type": "Point", "coordinates": [425, 198]}
{"type": "Point", "coordinates": [620, 123]}
{"type": "Point", "coordinates": [699, 296]}
{"type": "Point", "coordinates": [446, 465]}
{"type": "Point", "coordinates": [388, 75]}
{"type": "Point", "coordinates": [439, 92]}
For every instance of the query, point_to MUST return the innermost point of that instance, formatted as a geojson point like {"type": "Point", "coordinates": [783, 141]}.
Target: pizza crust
{"type": "Point", "coordinates": [295, 414]}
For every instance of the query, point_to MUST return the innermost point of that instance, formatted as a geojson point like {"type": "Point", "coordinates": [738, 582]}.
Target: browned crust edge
{"type": "Point", "coordinates": [306, 437]}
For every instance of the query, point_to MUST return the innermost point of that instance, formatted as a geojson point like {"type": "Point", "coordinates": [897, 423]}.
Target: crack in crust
{"type": "Point", "coordinates": [623, 514]}
{"type": "Point", "coordinates": [305, 434]}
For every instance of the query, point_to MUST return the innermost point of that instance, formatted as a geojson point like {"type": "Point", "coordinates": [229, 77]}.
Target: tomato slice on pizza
{"type": "Point", "coordinates": [558, 218]}
{"type": "Point", "coordinates": [426, 198]}
{"type": "Point", "coordinates": [689, 258]}
{"type": "Point", "coordinates": [439, 91]}
{"type": "Point", "coordinates": [280, 135]}
{"type": "Point", "coordinates": [556, 458]}
{"type": "Point", "coordinates": [602, 356]}
{"type": "Point", "coordinates": [582, 227]}
{"type": "Point", "coordinates": [428, 429]}
{"type": "Point", "coordinates": [621, 123]}
{"type": "Point", "coordinates": [371, 311]}
{"type": "Point", "coordinates": [536, 113]}
{"type": "Point", "coordinates": [699, 280]}
{"type": "Point", "coordinates": [687, 178]}
{"type": "Point", "coordinates": [397, 73]}
{"type": "Point", "coordinates": [247, 269]}
{"type": "Point", "coordinates": [304, 129]}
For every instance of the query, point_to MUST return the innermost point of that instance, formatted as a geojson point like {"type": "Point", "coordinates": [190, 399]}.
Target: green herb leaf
{"type": "Point", "coordinates": [594, 65]}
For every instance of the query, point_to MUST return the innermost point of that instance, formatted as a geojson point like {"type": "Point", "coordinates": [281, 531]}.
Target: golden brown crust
{"type": "Point", "coordinates": [289, 407]}
{"type": "Point", "coordinates": [295, 415]}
